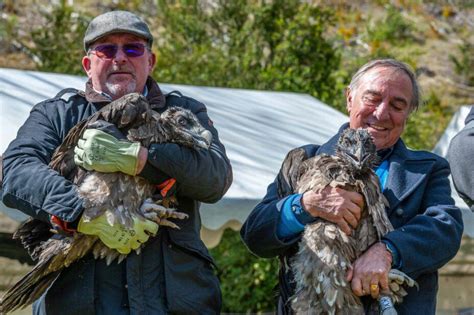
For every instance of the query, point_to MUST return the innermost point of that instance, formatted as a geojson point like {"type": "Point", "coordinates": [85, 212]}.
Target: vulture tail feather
{"type": "Point", "coordinates": [28, 289]}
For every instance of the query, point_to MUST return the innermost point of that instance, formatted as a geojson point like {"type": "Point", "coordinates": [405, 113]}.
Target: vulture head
{"type": "Point", "coordinates": [357, 148]}
{"type": "Point", "coordinates": [181, 126]}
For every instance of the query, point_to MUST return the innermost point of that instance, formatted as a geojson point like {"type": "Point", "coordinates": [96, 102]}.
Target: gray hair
{"type": "Point", "coordinates": [389, 63]}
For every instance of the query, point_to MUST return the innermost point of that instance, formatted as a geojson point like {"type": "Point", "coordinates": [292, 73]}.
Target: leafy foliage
{"type": "Point", "coordinates": [7, 25]}
{"type": "Point", "coordinates": [57, 45]}
{"type": "Point", "coordinates": [464, 64]}
{"type": "Point", "coordinates": [421, 132]}
{"type": "Point", "coordinates": [277, 45]}
{"type": "Point", "coordinates": [267, 45]}
{"type": "Point", "coordinates": [248, 283]}
{"type": "Point", "coordinates": [392, 29]}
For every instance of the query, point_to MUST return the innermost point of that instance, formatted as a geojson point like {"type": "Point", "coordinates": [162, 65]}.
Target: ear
{"type": "Point", "coordinates": [151, 62]}
{"type": "Point", "coordinates": [349, 98]}
{"type": "Point", "coordinates": [86, 65]}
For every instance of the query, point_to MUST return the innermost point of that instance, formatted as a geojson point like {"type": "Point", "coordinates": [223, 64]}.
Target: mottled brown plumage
{"type": "Point", "coordinates": [115, 194]}
{"type": "Point", "coordinates": [325, 251]}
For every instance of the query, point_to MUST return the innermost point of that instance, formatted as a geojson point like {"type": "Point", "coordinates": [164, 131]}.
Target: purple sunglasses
{"type": "Point", "coordinates": [109, 51]}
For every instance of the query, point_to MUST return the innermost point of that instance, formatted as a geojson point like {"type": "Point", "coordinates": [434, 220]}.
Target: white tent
{"type": "Point", "coordinates": [258, 128]}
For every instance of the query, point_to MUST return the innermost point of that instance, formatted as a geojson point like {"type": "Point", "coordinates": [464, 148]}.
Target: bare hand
{"type": "Point", "coordinates": [369, 273]}
{"type": "Point", "coordinates": [335, 205]}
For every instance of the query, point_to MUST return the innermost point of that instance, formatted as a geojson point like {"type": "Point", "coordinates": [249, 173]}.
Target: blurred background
{"type": "Point", "coordinates": [308, 47]}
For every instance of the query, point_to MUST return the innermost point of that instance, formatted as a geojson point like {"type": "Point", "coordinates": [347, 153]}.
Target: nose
{"type": "Point", "coordinates": [120, 56]}
{"type": "Point", "coordinates": [381, 112]}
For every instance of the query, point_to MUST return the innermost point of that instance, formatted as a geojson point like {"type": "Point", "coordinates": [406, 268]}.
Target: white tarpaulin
{"type": "Point", "coordinates": [257, 128]}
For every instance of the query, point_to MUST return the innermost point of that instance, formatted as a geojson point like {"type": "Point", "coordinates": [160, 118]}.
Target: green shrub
{"type": "Point", "coordinates": [248, 283]}
{"type": "Point", "coordinates": [57, 45]}
{"type": "Point", "coordinates": [464, 62]}
{"type": "Point", "coordinates": [392, 28]}
{"type": "Point", "coordinates": [277, 45]}
{"type": "Point", "coordinates": [267, 45]}
{"type": "Point", "coordinates": [425, 126]}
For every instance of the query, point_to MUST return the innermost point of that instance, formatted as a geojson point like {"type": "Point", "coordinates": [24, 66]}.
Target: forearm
{"type": "Point", "coordinates": [33, 188]}
{"type": "Point", "coordinates": [30, 185]}
{"type": "Point", "coordinates": [434, 223]}
{"type": "Point", "coordinates": [418, 242]}
{"type": "Point", "coordinates": [259, 231]}
{"type": "Point", "coordinates": [203, 175]}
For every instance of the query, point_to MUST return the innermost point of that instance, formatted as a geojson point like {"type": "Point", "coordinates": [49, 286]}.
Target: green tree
{"type": "Point", "coordinates": [57, 45]}
{"type": "Point", "coordinates": [275, 45]}
{"type": "Point", "coordinates": [256, 44]}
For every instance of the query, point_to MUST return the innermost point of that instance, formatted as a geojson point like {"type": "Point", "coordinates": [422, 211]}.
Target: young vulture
{"type": "Point", "coordinates": [325, 251]}
{"type": "Point", "coordinates": [116, 194]}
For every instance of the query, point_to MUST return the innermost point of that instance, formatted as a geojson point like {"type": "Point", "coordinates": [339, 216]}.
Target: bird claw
{"type": "Point", "coordinates": [165, 222]}
{"type": "Point", "coordinates": [399, 278]}
{"type": "Point", "coordinates": [154, 211]}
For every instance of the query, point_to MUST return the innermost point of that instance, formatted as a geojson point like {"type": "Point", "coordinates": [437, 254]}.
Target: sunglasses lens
{"type": "Point", "coordinates": [109, 51]}
{"type": "Point", "coordinates": [134, 50]}
{"type": "Point", "coordinates": [106, 51]}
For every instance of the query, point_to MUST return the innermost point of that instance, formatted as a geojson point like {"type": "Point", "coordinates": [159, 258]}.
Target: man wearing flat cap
{"type": "Point", "coordinates": [174, 272]}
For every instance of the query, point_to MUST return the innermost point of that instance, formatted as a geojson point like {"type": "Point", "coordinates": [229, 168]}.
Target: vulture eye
{"type": "Point", "coordinates": [182, 121]}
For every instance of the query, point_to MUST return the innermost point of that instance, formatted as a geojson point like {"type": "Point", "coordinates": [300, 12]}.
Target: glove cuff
{"type": "Point", "coordinates": [128, 162]}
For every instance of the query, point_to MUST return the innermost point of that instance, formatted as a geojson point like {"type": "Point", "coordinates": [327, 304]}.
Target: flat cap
{"type": "Point", "coordinates": [116, 22]}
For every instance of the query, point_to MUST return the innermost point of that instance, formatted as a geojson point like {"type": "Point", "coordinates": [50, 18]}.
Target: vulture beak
{"type": "Point", "coordinates": [359, 154]}
{"type": "Point", "coordinates": [357, 158]}
{"type": "Point", "coordinates": [205, 139]}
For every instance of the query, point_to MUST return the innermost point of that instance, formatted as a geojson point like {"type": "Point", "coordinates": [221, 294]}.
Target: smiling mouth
{"type": "Point", "coordinates": [376, 127]}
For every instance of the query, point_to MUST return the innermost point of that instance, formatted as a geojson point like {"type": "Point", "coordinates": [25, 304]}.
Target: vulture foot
{"type": "Point", "coordinates": [399, 277]}
{"type": "Point", "coordinates": [156, 212]}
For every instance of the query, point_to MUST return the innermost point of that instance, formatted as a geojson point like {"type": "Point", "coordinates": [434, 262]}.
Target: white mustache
{"type": "Point", "coordinates": [116, 69]}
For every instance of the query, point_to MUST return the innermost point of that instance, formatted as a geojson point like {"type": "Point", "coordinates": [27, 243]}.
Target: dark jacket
{"type": "Point", "coordinates": [460, 155]}
{"type": "Point", "coordinates": [421, 210]}
{"type": "Point", "coordinates": [174, 273]}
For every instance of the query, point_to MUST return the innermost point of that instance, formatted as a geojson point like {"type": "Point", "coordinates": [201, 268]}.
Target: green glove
{"type": "Point", "coordinates": [117, 236]}
{"type": "Point", "coordinates": [99, 151]}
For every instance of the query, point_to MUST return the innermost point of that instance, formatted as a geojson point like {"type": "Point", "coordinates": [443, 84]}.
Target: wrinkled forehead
{"type": "Point", "coordinates": [387, 79]}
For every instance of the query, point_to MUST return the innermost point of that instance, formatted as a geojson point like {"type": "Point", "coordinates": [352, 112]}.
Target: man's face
{"type": "Point", "coordinates": [381, 104]}
{"type": "Point", "coordinates": [121, 74]}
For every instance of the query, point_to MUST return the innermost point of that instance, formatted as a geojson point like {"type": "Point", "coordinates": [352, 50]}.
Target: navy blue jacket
{"type": "Point", "coordinates": [421, 211]}
{"type": "Point", "coordinates": [174, 273]}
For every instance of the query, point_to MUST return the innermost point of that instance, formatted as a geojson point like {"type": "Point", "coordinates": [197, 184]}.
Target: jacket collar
{"type": "Point", "coordinates": [407, 169]}
{"type": "Point", "coordinates": [155, 97]}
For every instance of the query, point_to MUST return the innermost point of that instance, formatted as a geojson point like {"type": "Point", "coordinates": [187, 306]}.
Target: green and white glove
{"type": "Point", "coordinates": [117, 236]}
{"type": "Point", "coordinates": [102, 152]}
